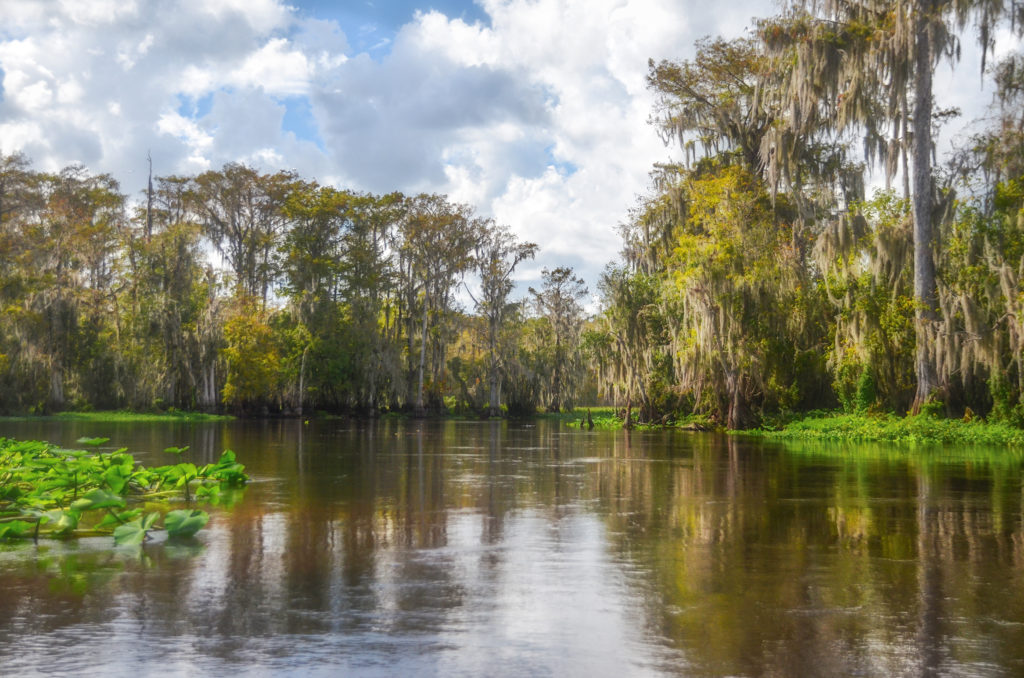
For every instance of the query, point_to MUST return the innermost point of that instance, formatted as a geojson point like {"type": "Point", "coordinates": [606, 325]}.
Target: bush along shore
{"type": "Point", "coordinates": [50, 492]}
{"type": "Point", "coordinates": [608, 418]}
{"type": "Point", "coordinates": [925, 428]}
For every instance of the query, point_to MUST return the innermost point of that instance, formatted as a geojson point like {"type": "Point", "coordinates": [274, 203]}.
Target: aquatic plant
{"type": "Point", "coordinates": [922, 428]}
{"type": "Point", "coordinates": [47, 491]}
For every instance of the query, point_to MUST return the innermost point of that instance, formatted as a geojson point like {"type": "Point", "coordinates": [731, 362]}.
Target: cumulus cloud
{"type": "Point", "coordinates": [400, 123]}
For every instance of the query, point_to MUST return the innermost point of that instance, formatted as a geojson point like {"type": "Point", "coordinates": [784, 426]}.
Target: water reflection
{"type": "Point", "coordinates": [487, 548]}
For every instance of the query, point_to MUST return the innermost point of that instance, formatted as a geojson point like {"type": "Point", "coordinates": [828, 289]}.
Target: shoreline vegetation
{"type": "Point", "coordinates": [924, 428]}
{"type": "Point", "coordinates": [832, 426]}
{"type": "Point", "coordinates": [122, 416]}
{"type": "Point", "coordinates": [927, 428]}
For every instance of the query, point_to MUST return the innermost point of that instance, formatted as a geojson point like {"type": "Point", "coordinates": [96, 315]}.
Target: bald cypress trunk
{"type": "Point", "coordinates": [925, 294]}
{"type": "Point", "coordinates": [494, 390]}
{"type": "Point", "coordinates": [739, 416]}
{"type": "Point", "coordinates": [420, 410]}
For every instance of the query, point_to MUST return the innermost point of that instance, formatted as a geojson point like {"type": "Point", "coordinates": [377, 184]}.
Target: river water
{"type": "Point", "coordinates": [404, 548]}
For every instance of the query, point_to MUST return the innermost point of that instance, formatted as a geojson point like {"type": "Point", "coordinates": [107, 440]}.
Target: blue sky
{"type": "Point", "coordinates": [368, 24]}
{"type": "Point", "coordinates": [533, 111]}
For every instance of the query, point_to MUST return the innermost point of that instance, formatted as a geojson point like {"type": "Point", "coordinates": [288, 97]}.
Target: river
{"type": "Point", "coordinates": [405, 548]}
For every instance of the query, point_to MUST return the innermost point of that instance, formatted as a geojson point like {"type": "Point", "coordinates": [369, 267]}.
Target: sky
{"type": "Point", "coordinates": [533, 111]}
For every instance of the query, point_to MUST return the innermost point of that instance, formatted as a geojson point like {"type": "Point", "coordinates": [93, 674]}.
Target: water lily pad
{"type": "Point", "coordinates": [185, 523]}
{"type": "Point", "coordinates": [15, 529]}
{"type": "Point", "coordinates": [98, 499]}
{"type": "Point", "coordinates": [133, 533]}
{"type": "Point", "coordinates": [118, 518]}
{"type": "Point", "coordinates": [62, 522]}
{"type": "Point", "coordinates": [92, 442]}
{"type": "Point", "coordinates": [116, 477]}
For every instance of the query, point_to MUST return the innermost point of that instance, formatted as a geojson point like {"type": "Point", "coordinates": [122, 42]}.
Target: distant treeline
{"type": "Point", "coordinates": [328, 299]}
{"type": "Point", "coordinates": [758, 277]}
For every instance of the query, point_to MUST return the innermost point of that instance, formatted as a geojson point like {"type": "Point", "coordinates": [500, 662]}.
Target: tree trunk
{"type": "Point", "coordinates": [420, 410]}
{"type": "Point", "coordinates": [925, 296]}
{"type": "Point", "coordinates": [208, 392]}
{"type": "Point", "coordinates": [302, 378]}
{"type": "Point", "coordinates": [903, 150]}
{"type": "Point", "coordinates": [56, 400]}
{"type": "Point", "coordinates": [149, 199]}
{"type": "Point", "coordinates": [739, 416]}
{"type": "Point", "coordinates": [371, 399]}
{"type": "Point", "coordinates": [556, 387]}
{"type": "Point", "coordinates": [494, 401]}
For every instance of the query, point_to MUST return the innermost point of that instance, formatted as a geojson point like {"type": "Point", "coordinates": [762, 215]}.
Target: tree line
{"type": "Point", "coordinates": [758, 276]}
{"type": "Point", "coordinates": [327, 299]}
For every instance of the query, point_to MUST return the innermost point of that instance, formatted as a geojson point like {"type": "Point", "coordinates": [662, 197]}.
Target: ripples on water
{"type": "Point", "coordinates": [491, 549]}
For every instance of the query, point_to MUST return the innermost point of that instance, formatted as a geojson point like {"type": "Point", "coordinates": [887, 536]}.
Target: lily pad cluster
{"type": "Point", "coordinates": [47, 491]}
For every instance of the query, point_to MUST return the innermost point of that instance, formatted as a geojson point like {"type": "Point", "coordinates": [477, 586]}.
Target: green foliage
{"type": "Point", "coordinates": [924, 428]}
{"type": "Point", "coordinates": [866, 395]}
{"type": "Point", "coordinates": [46, 491]}
{"type": "Point", "coordinates": [253, 357]}
{"type": "Point", "coordinates": [99, 499]}
{"type": "Point", "coordinates": [182, 523]}
{"type": "Point", "coordinates": [1006, 406]}
{"type": "Point", "coordinates": [120, 416]}
{"type": "Point", "coordinates": [854, 385]}
{"type": "Point", "coordinates": [135, 532]}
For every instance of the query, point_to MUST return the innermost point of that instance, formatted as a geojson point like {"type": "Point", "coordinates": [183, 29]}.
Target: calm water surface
{"type": "Point", "coordinates": [503, 549]}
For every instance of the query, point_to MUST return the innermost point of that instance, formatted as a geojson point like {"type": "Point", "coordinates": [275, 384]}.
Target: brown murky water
{"type": "Point", "coordinates": [501, 549]}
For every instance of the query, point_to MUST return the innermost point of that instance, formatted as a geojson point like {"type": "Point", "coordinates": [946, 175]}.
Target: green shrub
{"type": "Point", "coordinates": [1006, 405]}
{"type": "Point", "coordinates": [866, 395]}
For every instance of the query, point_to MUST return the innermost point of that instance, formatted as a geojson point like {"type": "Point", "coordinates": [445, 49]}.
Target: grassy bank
{"type": "Point", "coordinates": [607, 418]}
{"type": "Point", "coordinates": [604, 417]}
{"type": "Point", "coordinates": [121, 416]}
{"type": "Point", "coordinates": [923, 428]}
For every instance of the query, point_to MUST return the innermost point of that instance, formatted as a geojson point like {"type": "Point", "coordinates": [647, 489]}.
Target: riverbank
{"type": "Point", "coordinates": [609, 419]}
{"type": "Point", "coordinates": [122, 416]}
{"type": "Point", "coordinates": [922, 428]}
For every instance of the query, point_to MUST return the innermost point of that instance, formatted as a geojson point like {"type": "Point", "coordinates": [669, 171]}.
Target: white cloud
{"type": "Point", "coordinates": [19, 135]}
{"type": "Point", "coordinates": [34, 96]}
{"type": "Point", "coordinates": [177, 125]}
{"type": "Point", "coordinates": [276, 68]}
{"type": "Point", "coordinates": [264, 16]}
{"type": "Point", "coordinates": [98, 12]}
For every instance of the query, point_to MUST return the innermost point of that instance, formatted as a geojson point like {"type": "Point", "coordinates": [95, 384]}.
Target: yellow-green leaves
{"type": "Point", "coordinates": [185, 523]}
{"type": "Point", "coordinates": [136, 531]}
{"type": "Point", "coordinates": [49, 492]}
